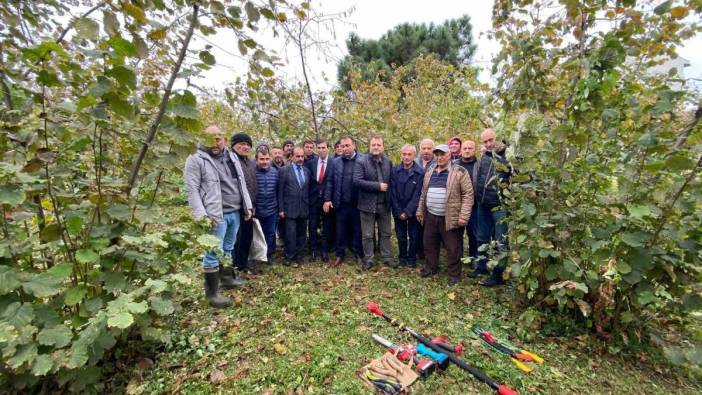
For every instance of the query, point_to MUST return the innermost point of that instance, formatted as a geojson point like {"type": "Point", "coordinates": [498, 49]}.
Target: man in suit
{"type": "Point", "coordinates": [293, 203]}
{"type": "Point", "coordinates": [319, 169]}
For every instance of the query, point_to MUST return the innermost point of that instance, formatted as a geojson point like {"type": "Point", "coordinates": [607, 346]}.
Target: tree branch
{"type": "Point", "coordinates": [162, 107]}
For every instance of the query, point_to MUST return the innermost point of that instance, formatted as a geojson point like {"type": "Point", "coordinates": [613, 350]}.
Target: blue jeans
{"type": "Point", "coordinates": [491, 225]}
{"type": "Point", "coordinates": [226, 233]}
{"type": "Point", "coordinates": [268, 225]}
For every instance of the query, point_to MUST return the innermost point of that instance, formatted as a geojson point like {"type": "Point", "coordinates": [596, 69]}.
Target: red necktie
{"type": "Point", "coordinates": [321, 172]}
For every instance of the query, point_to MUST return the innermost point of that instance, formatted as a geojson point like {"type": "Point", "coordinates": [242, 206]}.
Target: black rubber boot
{"type": "Point", "coordinates": [212, 290]}
{"type": "Point", "coordinates": [228, 278]}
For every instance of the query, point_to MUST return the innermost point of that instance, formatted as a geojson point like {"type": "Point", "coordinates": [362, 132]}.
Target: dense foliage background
{"type": "Point", "coordinates": [606, 225]}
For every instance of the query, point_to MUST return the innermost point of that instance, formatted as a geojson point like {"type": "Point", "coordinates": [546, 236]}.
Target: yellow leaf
{"type": "Point", "coordinates": [280, 348]}
{"type": "Point", "coordinates": [452, 296]}
{"type": "Point", "coordinates": [679, 12]}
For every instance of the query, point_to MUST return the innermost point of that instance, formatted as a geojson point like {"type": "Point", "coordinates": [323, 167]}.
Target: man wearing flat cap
{"type": "Point", "coordinates": [444, 210]}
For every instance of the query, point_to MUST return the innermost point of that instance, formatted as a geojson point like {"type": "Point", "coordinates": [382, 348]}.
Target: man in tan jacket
{"type": "Point", "coordinates": [444, 210]}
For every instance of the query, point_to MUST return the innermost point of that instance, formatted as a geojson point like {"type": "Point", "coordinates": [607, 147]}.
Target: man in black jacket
{"type": "Point", "coordinates": [293, 198]}
{"type": "Point", "coordinates": [372, 178]}
{"type": "Point", "coordinates": [493, 177]}
{"type": "Point", "coordinates": [341, 195]}
{"type": "Point", "coordinates": [469, 162]}
{"type": "Point", "coordinates": [405, 187]}
{"type": "Point", "coordinates": [319, 168]}
{"type": "Point", "coordinates": [241, 144]}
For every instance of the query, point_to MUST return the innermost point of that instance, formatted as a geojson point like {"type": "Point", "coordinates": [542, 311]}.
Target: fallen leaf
{"type": "Point", "coordinates": [268, 391]}
{"type": "Point", "coordinates": [217, 377]}
{"type": "Point", "coordinates": [280, 348]}
{"type": "Point", "coordinates": [452, 296]}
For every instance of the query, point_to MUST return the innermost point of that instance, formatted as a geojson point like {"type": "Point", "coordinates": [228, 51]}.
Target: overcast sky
{"type": "Point", "coordinates": [370, 19]}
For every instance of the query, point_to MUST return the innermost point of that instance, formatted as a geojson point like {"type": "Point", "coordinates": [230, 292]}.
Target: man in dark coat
{"type": "Point", "coordinates": [405, 188]}
{"type": "Point", "coordinates": [341, 195]}
{"type": "Point", "coordinates": [293, 198]}
{"type": "Point", "coordinates": [241, 144]}
{"type": "Point", "coordinates": [469, 162]}
{"type": "Point", "coordinates": [493, 177]}
{"type": "Point", "coordinates": [319, 168]}
{"type": "Point", "coordinates": [372, 178]}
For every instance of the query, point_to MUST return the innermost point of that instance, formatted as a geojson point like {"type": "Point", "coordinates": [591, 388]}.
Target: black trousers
{"type": "Point", "coordinates": [348, 230]}
{"type": "Point", "coordinates": [320, 242]}
{"type": "Point", "coordinates": [243, 244]}
{"type": "Point", "coordinates": [407, 232]}
{"type": "Point", "coordinates": [295, 234]}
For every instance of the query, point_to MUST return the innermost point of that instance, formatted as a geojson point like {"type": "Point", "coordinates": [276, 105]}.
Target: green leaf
{"type": "Point", "coordinates": [234, 11]}
{"type": "Point", "coordinates": [114, 281]}
{"type": "Point", "coordinates": [124, 75]}
{"type": "Point", "coordinates": [75, 295]}
{"type": "Point", "coordinates": [119, 105]}
{"type": "Point", "coordinates": [242, 47]}
{"type": "Point", "coordinates": [11, 195]}
{"type": "Point", "coordinates": [161, 306]}
{"type": "Point", "coordinates": [120, 212]}
{"type": "Point", "coordinates": [692, 302]}
{"type": "Point", "coordinates": [680, 161]}
{"type": "Point", "coordinates": [58, 336]}
{"type": "Point", "coordinates": [120, 320]}
{"type": "Point", "coordinates": [122, 47]}
{"type": "Point", "coordinates": [25, 353]}
{"type": "Point", "coordinates": [646, 297]}
{"type": "Point", "coordinates": [42, 365]}
{"type": "Point", "coordinates": [50, 233]}
{"type": "Point", "coordinates": [185, 111]}
{"type": "Point", "coordinates": [8, 280]}
{"type": "Point", "coordinates": [638, 211]}
{"type": "Point", "coordinates": [663, 7]}
{"type": "Point", "coordinates": [266, 12]}
{"type": "Point", "coordinates": [87, 256]}
{"type": "Point", "coordinates": [137, 308]}
{"type": "Point", "coordinates": [207, 57]}
{"type": "Point", "coordinates": [87, 28]}
{"type": "Point", "coordinates": [252, 12]}
{"type": "Point", "coordinates": [74, 224]}
{"type": "Point", "coordinates": [634, 239]}
{"type": "Point", "coordinates": [623, 267]}
{"type": "Point", "coordinates": [141, 47]}
{"type": "Point", "coordinates": [250, 42]}
{"type": "Point", "coordinates": [42, 285]}
{"type": "Point", "coordinates": [61, 271]}
{"type": "Point", "coordinates": [267, 72]}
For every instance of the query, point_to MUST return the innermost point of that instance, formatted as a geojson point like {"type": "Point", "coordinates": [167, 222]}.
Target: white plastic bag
{"type": "Point", "coordinates": [259, 248]}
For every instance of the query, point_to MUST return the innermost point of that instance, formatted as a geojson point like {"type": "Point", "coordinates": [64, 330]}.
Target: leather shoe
{"type": "Point", "coordinates": [427, 272]}
{"type": "Point", "coordinates": [453, 281]}
{"type": "Point", "coordinates": [339, 260]}
{"type": "Point", "coordinates": [325, 257]}
{"type": "Point", "coordinates": [477, 272]}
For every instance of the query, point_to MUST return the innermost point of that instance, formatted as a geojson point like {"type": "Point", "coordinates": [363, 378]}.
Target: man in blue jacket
{"type": "Point", "coordinates": [341, 195]}
{"type": "Point", "coordinates": [293, 196]}
{"type": "Point", "coordinates": [405, 188]}
{"type": "Point", "coordinates": [493, 177]}
{"type": "Point", "coordinates": [267, 194]}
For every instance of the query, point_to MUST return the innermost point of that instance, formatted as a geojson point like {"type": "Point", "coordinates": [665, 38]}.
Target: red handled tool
{"type": "Point", "coordinates": [500, 388]}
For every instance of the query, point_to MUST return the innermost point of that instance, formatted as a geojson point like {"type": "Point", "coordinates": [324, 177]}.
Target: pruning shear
{"type": "Point", "coordinates": [518, 356]}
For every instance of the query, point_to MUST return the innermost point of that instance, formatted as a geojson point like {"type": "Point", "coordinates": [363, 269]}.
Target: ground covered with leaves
{"type": "Point", "coordinates": [306, 331]}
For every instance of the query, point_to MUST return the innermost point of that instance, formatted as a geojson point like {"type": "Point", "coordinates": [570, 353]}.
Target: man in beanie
{"type": "Point", "coordinates": [217, 195]}
{"type": "Point", "coordinates": [241, 145]}
{"type": "Point", "coordinates": [454, 145]}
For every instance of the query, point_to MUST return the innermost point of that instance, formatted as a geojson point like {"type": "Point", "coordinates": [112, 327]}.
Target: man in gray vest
{"type": "Point", "coordinates": [217, 194]}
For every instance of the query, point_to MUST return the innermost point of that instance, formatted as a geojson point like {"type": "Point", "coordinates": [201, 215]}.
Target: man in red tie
{"type": "Point", "coordinates": [319, 167]}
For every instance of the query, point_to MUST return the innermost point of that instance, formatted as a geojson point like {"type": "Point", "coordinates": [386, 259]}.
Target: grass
{"type": "Point", "coordinates": [306, 331]}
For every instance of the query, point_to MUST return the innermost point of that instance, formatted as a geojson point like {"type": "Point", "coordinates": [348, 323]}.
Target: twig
{"type": "Point", "coordinates": [162, 107]}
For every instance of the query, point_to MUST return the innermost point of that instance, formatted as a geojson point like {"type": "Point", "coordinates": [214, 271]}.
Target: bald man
{"type": "Point", "coordinates": [219, 204]}
{"type": "Point", "coordinates": [493, 177]}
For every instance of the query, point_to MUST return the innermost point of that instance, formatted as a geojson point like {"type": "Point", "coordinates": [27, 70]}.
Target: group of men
{"type": "Point", "coordinates": [345, 200]}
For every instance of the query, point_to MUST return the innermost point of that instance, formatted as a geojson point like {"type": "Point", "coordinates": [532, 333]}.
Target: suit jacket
{"type": "Point", "coordinates": [293, 200]}
{"type": "Point", "coordinates": [317, 189]}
